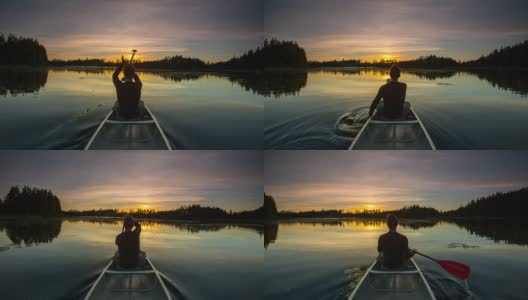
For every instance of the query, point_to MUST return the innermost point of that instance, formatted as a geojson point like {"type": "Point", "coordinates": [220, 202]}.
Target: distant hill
{"type": "Point", "coordinates": [510, 56]}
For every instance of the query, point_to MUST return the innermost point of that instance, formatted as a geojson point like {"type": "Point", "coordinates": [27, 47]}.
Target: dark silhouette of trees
{"type": "Point", "coordinates": [93, 62]}
{"type": "Point", "coordinates": [192, 212]}
{"type": "Point", "coordinates": [273, 54]}
{"type": "Point", "coordinates": [270, 207]}
{"type": "Point", "coordinates": [177, 62]}
{"type": "Point", "coordinates": [335, 63]}
{"type": "Point", "coordinates": [21, 51]}
{"type": "Point", "coordinates": [32, 202]}
{"type": "Point", "coordinates": [430, 62]}
{"type": "Point", "coordinates": [509, 56]}
{"type": "Point", "coordinates": [511, 205]}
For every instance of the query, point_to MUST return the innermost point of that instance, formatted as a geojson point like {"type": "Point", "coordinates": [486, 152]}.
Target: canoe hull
{"type": "Point", "coordinates": [377, 134]}
{"type": "Point", "coordinates": [408, 283]}
{"type": "Point", "coordinates": [116, 134]}
{"type": "Point", "coordinates": [115, 283]}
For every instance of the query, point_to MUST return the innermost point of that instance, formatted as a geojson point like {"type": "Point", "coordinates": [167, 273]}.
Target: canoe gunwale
{"type": "Point", "coordinates": [107, 120]}
{"type": "Point", "coordinates": [87, 147]}
{"type": "Point", "coordinates": [92, 288]}
{"type": "Point", "coordinates": [131, 272]}
{"type": "Point", "coordinates": [394, 122]}
{"type": "Point", "coordinates": [417, 271]}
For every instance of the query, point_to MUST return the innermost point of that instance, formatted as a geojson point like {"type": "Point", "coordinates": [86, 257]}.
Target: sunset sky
{"type": "Point", "coordinates": [400, 29]}
{"type": "Point", "coordinates": [209, 29]}
{"type": "Point", "coordinates": [231, 180]}
{"type": "Point", "coordinates": [305, 180]}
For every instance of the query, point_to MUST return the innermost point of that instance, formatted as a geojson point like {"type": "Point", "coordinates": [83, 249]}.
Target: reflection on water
{"type": "Point", "coordinates": [13, 83]}
{"type": "Point", "coordinates": [499, 231]}
{"type": "Point", "coordinates": [31, 233]}
{"type": "Point", "coordinates": [60, 259]}
{"type": "Point", "coordinates": [460, 109]}
{"type": "Point", "coordinates": [272, 84]}
{"type": "Point", "coordinates": [322, 259]}
{"type": "Point", "coordinates": [61, 108]}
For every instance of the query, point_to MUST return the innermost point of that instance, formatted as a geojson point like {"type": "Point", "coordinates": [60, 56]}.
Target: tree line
{"type": "Point", "coordinates": [272, 54]}
{"type": "Point", "coordinates": [16, 50]}
{"type": "Point", "coordinates": [30, 201]}
{"type": "Point", "coordinates": [508, 205]}
{"type": "Point", "coordinates": [42, 202]}
{"type": "Point", "coordinates": [191, 212]}
{"type": "Point", "coordinates": [509, 56]}
{"type": "Point", "coordinates": [512, 205]}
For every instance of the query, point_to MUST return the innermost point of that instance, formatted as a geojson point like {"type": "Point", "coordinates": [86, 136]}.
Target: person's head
{"type": "Point", "coordinates": [395, 72]}
{"type": "Point", "coordinates": [128, 223]}
{"type": "Point", "coordinates": [129, 71]}
{"type": "Point", "coordinates": [392, 221]}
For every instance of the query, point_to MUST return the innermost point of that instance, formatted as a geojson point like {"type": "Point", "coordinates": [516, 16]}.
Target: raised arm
{"type": "Point", "coordinates": [115, 76]}
{"type": "Point", "coordinates": [137, 228]}
{"type": "Point", "coordinates": [376, 101]}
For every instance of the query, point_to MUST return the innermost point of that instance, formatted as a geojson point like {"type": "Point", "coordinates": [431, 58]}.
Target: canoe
{"type": "Point", "coordinates": [118, 283]}
{"type": "Point", "coordinates": [115, 133]}
{"type": "Point", "coordinates": [382, 134]}
{"type": "Point", "coordinates": [407, 283]}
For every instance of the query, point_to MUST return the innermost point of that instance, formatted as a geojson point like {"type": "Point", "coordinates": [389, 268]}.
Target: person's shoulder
{"type": "Point", "coordinates": [401, 235]}
{"type": "Point", "coordinates": [402, 84]}
{"type": "Point", "coordinates": [384, 235]}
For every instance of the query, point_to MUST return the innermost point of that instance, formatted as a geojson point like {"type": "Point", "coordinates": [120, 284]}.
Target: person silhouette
{"type": "Point", "coordinates": [393, 247]}
{"type": "Point", "coordinates": [128, 104]}
{"type": "Point", "coordinates": [393, 94]}
{"type": "Point", "coordinates": [128, 254]}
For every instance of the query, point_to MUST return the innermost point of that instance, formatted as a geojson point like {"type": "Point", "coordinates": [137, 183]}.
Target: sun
{"type": "Point", "coordinates": [370, 206]}
{"type": "Point", "coordinates": [388, 57]}
{"type": "Point", "coordinates": [145, 206]}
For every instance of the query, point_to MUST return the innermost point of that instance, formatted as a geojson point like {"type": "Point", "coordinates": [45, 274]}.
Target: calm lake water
{"type": "Point", "coordinates": [485, 110]}
{"type": "Point", "coordinates": [61, 259]}
{"type": "Point", "coordinates": [61, 108]}
{"type": "Point", "coordinates": [322, 260]}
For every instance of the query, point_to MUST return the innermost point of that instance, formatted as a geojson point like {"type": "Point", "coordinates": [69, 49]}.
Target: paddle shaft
{"type": "Point", "coordinates": [454, 268]}
{"type": "Point", "coordinates": [433, 259]}
{"type": "Point", "coordinates": [132, 58]}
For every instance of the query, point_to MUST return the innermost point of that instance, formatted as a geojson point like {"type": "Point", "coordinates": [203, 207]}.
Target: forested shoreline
{"type": "Point", "coordinates": [272, 54]}
{"type": "Point", "coordinates": [509, 205]}
{"type": "Point", "coordinates": [31, 201]}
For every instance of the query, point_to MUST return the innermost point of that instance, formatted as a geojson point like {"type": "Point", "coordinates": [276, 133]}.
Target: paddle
{"type": "Point", "coordinates": [456, 269]}
{"type": "Point", "coordinates": [130, 61]}
{"type": "Point", "coordinates": [133, 53]}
